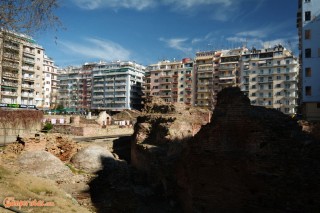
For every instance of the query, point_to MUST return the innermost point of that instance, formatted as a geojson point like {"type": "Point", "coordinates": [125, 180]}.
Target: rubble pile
{"type": "Point", "coordinates": [61, 146]}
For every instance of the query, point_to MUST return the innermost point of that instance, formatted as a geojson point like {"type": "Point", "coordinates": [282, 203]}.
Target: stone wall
{"type": "Point", "coordinates": [159, 136]}
{"type": "Point", "coordinates": [249, 159]}
{"type": "Point", "coordinates": [15, 122]}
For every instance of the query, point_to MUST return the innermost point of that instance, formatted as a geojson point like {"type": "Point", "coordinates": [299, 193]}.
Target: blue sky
{"type": "Point", "coordinates": [147, 31]}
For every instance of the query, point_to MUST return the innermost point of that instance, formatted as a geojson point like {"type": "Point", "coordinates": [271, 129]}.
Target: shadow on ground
{"type": "Point", "coordinates": [122, 147]}
{"type": "Point", "coordinates": [120, 188]}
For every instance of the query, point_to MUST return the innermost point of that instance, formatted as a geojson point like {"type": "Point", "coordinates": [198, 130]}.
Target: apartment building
{"type": "Point", "coordinates": [206, 77]}
{"type": "Point", "coordinates": [50, 78]}
{"type": "Point", "coordinates": [21, 70]}
{"type": "Point", "coordinates": [117, 85]}
{"type": "Point", "coordinates": [229, 70]}
{"type": "Point", "coordinates": [269, 77]}
{"type": "Point", "coordinates": [75, 88]}
{"type": "Point", "coordinates": [170, 80]}
{"type": "Point", "coordinates": [308, 24]}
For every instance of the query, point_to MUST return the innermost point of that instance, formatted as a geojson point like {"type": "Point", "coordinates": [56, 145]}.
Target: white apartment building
{"type": "Point", "coordinates": [21, 70]}
{"type": "Point", "coordinates": [269, 77]}
{"type": "Point", "coordinates": [308, 23]}
{"type": "Point", "coordinates": [117, 85]}
{"type": "Point", "coordinates": [50, 87]}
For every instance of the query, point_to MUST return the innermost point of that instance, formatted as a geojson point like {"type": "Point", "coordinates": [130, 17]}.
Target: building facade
{"type": "Point", "coordinates": [170, 80]}
{"type": "Point", "coordinates": [269, 77]}
{"type": "Point", "coordinates": [75, 88]}
{"type": "Point", "coordinates": [22, 71]}
{"type": "Point", "coordinates": [205, 70]}
{"type": "Point", "coordinates": [50, 88]}
{"type": "Point", "coordinates": [117, 86]}
{"type": "Point", "coordinates": [308, 23]}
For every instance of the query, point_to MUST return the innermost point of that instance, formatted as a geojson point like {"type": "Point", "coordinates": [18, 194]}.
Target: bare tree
{"type": "Point", "coordinates": [28, 16]}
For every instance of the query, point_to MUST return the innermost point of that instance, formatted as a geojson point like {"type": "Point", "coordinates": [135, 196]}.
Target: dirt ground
{"type": "Point", "coordinates": [70, 195]}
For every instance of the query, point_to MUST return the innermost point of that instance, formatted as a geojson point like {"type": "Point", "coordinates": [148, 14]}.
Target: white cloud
{"type": "Point", "coordinates": [115, 4]}
{"type": "Point", "coordinates": [98, 49]}
{"type": "Point", "coordinates": [177, 43]}
{"type": "Point", "coordinates": [143, 4]}
{"type": "Point", "coordinates": [254, 33]}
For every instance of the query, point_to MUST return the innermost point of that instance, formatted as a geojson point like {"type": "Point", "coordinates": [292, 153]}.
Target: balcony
{"type": "Point", "coordinates": [27, 86]}
{"type": "Point", "coordinates": [10, 56]}
{"type": "Point", "coordinates": [28, 61]}
{"type": "Point", "coordinates": [204, 76]}
{"type": "Point", "coordinates": [28, 52]}
{"type": "Point", "coordinates": [165, 83]}
{"type": "Point", "coordinates": [227, 76]}
{"type": "Point", "coordinates": [10, 84]}
{"type": "Point", "coordinates": [28, 68]}
{"type": "Point", "coordinates": [7, 93]}
{"type": "Point", "coordinates": [165, 89]}
{"type": "Point", "coordinates": [28, 79]}
{"type": "Point", "coordinates": [9, 75]}
{"type": "Point", "coordinates": [10, 65]}
{"type": "Point", "coordinates": [12, 46]}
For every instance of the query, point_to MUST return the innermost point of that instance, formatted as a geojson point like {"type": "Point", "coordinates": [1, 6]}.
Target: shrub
{"type": "Point", "coordinates": [47, 126]}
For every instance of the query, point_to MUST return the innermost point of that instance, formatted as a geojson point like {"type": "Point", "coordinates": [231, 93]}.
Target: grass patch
{"type": "Point", "coordinates": [75, 170]}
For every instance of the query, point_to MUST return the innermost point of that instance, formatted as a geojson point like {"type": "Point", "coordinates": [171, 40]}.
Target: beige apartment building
{"type": "Point", "coordinates": [205, 78]}
{"type": "Point", "coordinates": [170, 80]}
{"type": "Point", "coordinates": [22, 71]}
{"type": "Point", "coordinates": [229, 70]}
{"type": "Point", "coordinates": [269, 77]}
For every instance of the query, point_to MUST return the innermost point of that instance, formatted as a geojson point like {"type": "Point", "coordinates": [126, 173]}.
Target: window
{"type": "Point", "coordinates": [287, 61]}
{"type": "Point", "coordinates": [253, 94]}
{"type": "Point", "coordinates": [307, 16]}
{"type": "Point", "coordinates": [307, 1]}
{"type": "Point", "coordinates": [308, 53]}
{"type": "Point", "coordinates": [253, 79]}
{"type": "Point", "coordinates": [307, 34]}
{"type": "Point", "coordinates": [308, 72]}
{"type": "Point", "coordinates": [308, 91]}
{"type": "Point", "coordinates": [278, 77]}
{"type": "Point", "coordinates": [253, 86]}
{"type": "Point", "coordinates": [278, 62]}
